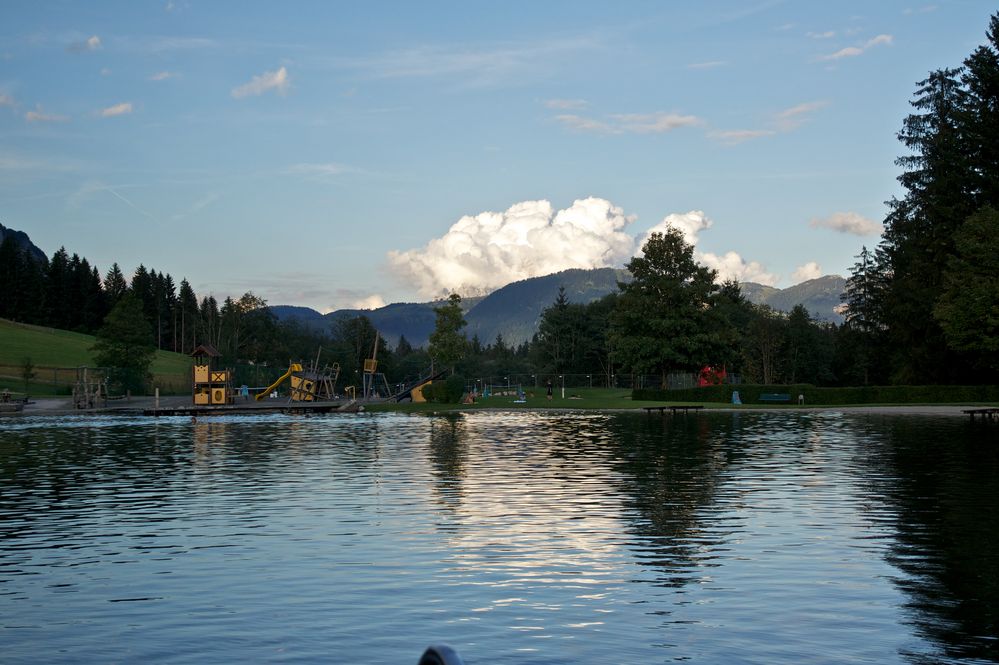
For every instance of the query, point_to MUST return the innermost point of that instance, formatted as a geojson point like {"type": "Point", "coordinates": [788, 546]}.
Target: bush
{"type": "Point", "coordinates": [750, 394]}
{"type": "Point", "coordinates": [449, 391]}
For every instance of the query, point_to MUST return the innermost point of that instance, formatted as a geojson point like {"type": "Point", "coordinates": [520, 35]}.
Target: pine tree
{"type": "Point", "coordinates": [57, 291]}
{"type": "Point", "coordinates": [188, 306]}
{"type": "Point", "coordinates": [918, 239]}
{"type": "Point", "coordinates": [115, 285]}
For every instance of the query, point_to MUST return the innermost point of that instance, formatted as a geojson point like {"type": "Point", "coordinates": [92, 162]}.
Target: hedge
{"type": "Point", "coordinates": [750, 394]}
{"type": "Point", "coordinates": [449, 391]}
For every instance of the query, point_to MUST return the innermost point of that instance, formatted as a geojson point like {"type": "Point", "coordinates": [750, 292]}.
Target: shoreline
{"type": "Point", "coordinates": [60, 406]}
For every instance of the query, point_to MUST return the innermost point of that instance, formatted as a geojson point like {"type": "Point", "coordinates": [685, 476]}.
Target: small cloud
{"type": "Point", "coordinates": [566, 104]}
{"type": "Point", "coordinates": [785, 121]}
{"type": "Point", "coordinates": [92, 43]}
{"type": "Point", "coordinates": [7, 100]}
{"type": "Point", "coordinates": [847, 222]}
{"type": "Point", "coordinates": [630, 123]}
{"type": "Point", "coordinates": [38, 115]}
{"type": "Point", "coordinates": [655, 123]}
{"type": "Point", "coordinates": [105, 71]}
{"type": "Point", "coordinates": [810, 270]}
{"type": "Point", "coordinates": [328, 169]}
{"type": "Point", "coordinates": [784, 27]}
{"type": "Point", "coordinates": [581, 124]}
{"type": "Point", "coordinates": [258, 85]}
{"type": "Point", "coordinates": [828, 34]}
{"type": "Point", "coordinates": [118, 109]}
{"type": "Point", "coordinates": [163, 76]}
{"type": "Point", "coordinates": [920, 10]}
{"type": "Point", "coordinates": [854, 51]}
{"type": "Point", "coordinates": [737, 136]}
{"type": "Point", "coordinates": [712, 64]}
{"type": "Point", "coordinates": [794, 117]}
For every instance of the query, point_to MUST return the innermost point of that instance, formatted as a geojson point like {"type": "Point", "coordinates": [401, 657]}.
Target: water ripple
{"type": "Point", "coordinates": [517, 537]}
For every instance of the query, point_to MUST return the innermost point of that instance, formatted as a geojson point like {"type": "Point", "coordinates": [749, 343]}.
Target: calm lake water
{"type": "Point", "coordinates": [515, 537]}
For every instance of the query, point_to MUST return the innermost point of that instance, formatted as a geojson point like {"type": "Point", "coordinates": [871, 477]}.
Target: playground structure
{"type": "Point", "coordinates": [504, 390]}
{"type": "Point", "coordinates": [211, 386]}
{"type": "Point", "coordinates": [91, 388]}
{"type": "Point", "coordinates": [307, 384]}
{"type": "Point", "coordinates": [373, 381]}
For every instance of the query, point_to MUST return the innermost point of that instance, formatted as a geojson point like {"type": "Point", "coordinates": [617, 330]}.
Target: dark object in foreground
{"type": "Point", "coordinates": [440, 654]}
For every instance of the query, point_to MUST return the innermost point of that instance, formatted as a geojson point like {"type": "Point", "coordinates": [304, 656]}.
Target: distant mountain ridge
{"type": "Point", "coordinates": [514, 310]}
{"type": "Point", "coordinates": [24, 243]}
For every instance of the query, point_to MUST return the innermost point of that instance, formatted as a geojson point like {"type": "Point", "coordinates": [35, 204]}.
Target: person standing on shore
{"type": "Point", "coordinates": [548, 388]}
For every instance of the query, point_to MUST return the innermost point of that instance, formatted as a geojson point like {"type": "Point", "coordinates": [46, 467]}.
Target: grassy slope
{"type": "Point", "coordinates": [48, 347]}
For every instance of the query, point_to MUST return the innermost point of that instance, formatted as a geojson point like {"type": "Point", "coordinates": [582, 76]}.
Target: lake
{"type": "Point", "coordinates": [516, 537]}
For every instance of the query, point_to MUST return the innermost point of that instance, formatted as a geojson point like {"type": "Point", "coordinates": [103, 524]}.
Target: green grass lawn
{"type": "Point", "coordinates": [575, 398]}
{"type": "Point", "coordinates": [48, 348]}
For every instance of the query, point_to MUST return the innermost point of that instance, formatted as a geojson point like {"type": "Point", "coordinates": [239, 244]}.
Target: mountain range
{"type": "Point", "coordinates": [515, 309]}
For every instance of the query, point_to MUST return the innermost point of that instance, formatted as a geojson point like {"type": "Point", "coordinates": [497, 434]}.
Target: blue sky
{"type": "Point", "coordinates": [331, 154]}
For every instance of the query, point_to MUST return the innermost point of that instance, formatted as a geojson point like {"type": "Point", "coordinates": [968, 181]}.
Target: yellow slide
{"type": "Point", "coordinates": [292, 368]}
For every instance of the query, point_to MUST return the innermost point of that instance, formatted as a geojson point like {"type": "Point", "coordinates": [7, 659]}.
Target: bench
{"type": "Point", "coordinates": [673, 409]}
{"type": "Point", "coordinates": [775, 397]}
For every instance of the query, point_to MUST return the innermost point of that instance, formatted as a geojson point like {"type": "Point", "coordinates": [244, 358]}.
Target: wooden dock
{"type": "Point", "coordinates": [987, 415]}
{"type": "Point", "coordinates": [673, 409]}
{"type": "Point", "coordinates": [268, 406]}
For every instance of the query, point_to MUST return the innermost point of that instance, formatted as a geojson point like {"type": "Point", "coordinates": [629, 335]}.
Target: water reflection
{"type": "Point", "coordinates": [671, 469]}
{"type": "Point", "coordinates": [520, 537]}
{"type": "Point", "coordinates": [448, 452]}
{"type": "Point", "coordinates": [941, 480]}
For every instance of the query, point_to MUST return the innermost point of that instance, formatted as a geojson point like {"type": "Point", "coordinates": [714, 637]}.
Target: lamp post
{"type": "Point", "coordinates": [590, 378]}
{"type": "Point", "coordinates": [562, 378]}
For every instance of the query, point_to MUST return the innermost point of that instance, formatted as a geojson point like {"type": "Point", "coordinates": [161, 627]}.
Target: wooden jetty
{"type": "Point", "coordinates": [987, 415]}
{"type": "Point", "coordinates": [270, 406]}
{"type": "Point", "coordinates": [673, 409]}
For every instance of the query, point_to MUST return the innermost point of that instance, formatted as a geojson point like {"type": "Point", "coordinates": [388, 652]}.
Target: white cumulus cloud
{"type": "Point", "coordinates": [481, 253]}
{"type": "Point", "coordinates": [810, 270]}
{"type": "Point", "coordinates": [486, 251]}
{"type": "Point", "coordinates": [258, 85]}
{"type": "Point", "coordinates": [848, 222]}
{"type": "Point", "coordinates": [118, 109]}
{"type": "Point", "coordinates": [731, 265]}
{"type": "Point", "coordinates": [370, 302]}
{"type": "Point", "coordinates": [689, 223]}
